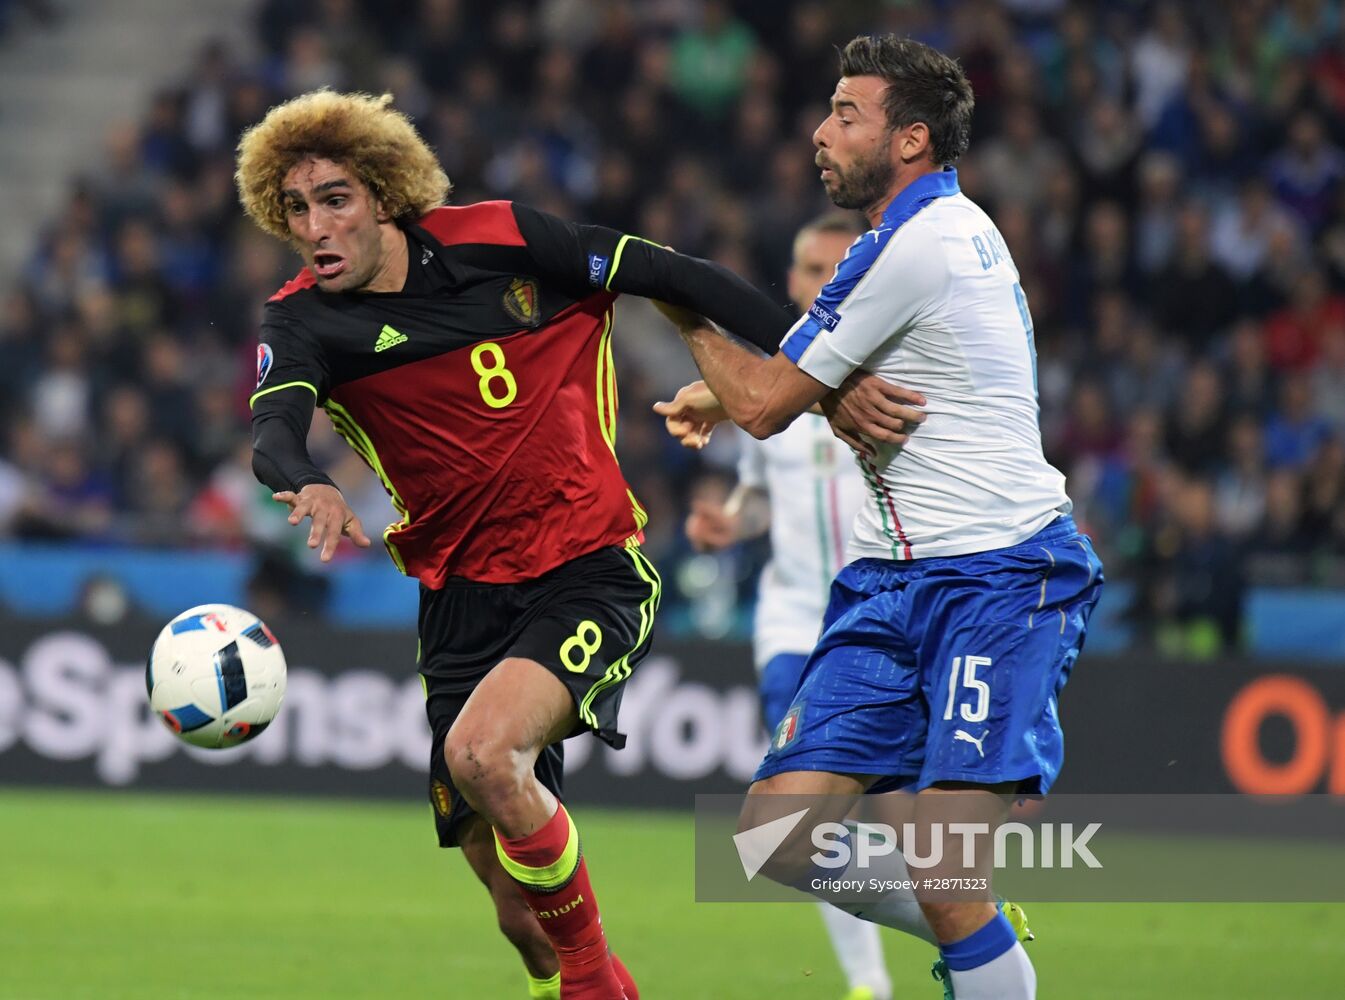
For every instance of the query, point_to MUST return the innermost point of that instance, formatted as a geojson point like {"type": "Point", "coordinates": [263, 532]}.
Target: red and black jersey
{"type": "Point", "coordinates": [482, 394]}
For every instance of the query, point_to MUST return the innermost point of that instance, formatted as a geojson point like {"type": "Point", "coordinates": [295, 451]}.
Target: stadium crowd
{"type": "Point", "coordinates": [1168, 177]}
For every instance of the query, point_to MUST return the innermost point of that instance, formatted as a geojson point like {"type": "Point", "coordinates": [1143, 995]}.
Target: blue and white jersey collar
{"type": "Point", "coordinates": [919, 193]}
{"type": "Point", "coordinates": [825, 312]}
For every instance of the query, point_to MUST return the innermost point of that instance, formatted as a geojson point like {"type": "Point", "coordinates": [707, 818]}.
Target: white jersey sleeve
{"type": "Point", "coordinates": [882, 288]}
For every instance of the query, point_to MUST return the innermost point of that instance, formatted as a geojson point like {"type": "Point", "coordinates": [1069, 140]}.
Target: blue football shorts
{"type": "Point", "coordinates": [778, 684]}
{"type": "Point", "coordinates": [945, 669]}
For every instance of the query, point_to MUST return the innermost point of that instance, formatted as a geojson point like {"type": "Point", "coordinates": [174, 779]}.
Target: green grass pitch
{"type": "Point", "coordinates": [112, 896]}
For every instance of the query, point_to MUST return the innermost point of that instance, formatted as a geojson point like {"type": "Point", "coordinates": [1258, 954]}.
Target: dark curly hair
{"type": "Point", "coordinates": [924, 85]}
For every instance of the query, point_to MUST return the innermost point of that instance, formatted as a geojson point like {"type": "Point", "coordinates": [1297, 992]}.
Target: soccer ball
{"type": "Point", "coordinates": [216, 676]}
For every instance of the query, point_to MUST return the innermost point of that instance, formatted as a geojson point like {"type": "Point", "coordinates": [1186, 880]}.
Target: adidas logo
{"type": "Point", "coordinates": [388, 337]}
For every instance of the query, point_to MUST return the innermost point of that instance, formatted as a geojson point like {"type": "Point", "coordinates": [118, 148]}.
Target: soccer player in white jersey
{"type": "Point", "coordinates": [801, 486]}
{"type": "Point", "coordinates": [952, 631]}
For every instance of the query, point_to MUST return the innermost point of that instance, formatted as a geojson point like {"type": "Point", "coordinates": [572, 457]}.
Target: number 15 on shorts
{"type": "Point", "coordinates": [965, 667]}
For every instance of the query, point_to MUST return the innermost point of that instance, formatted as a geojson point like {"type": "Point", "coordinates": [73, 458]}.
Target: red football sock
{"type": "Point", "coordinates": [550, 869]}
{"type": "Point", "coordinates": [627, 983]}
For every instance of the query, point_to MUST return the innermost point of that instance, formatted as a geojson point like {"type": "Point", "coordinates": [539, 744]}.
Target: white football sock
{"type": "Point", "coordinates": [897, 909]}
{"type": "Point", "coordinates": [858, 949]}
{"type": "Point", "coordinates": [1009, 977]}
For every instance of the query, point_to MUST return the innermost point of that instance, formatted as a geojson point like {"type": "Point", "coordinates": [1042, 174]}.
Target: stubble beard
{"type": "Point", "coordinates": [866, 181]}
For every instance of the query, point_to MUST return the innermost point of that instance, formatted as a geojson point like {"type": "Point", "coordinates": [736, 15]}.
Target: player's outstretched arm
{"type": "Point", "coordinates": [760, 395]}
{"type": "Point", "coordinates": [280, 459]}
{"type": "Point", "coordinates": [598, 257]}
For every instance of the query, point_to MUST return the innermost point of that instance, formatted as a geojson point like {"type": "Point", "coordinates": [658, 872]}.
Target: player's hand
{"type": "Point", "coordinates": [710, 527]}
{"type": "Point", "coordinates": [867, 408]}
{"type": "Point", "coordinates": [692, 414]}
{"type": "Point", "coordinates": [332, 517]}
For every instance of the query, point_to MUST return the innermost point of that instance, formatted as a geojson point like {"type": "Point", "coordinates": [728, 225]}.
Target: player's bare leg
{"type": "Point", "coordinates": [791, 863]}
{"type": "Point", "coordinates": [980, 949]}
{"type": "Point", "coordinates": [517, 922]}
{"type": "Point", "coordinates": [514, 713]}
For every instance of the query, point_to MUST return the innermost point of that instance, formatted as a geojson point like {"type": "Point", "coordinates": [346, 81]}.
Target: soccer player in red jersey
{"type": "Point", "coordinates": [465, 354]}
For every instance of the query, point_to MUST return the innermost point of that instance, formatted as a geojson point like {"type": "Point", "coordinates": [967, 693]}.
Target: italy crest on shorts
{"type": "Point", "coordinates": [787, 729]}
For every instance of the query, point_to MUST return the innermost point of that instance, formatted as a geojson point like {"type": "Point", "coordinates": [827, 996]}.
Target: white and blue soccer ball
{"type": "Point", "coordinates": [216, 676]}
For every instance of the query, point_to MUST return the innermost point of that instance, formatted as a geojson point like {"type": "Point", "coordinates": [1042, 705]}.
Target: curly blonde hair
{"type": "Point", "coordinates": [363, 133]}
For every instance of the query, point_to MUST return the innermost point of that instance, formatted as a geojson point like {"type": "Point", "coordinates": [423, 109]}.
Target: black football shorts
{"type": "Point", "coordinates": [589, 621]}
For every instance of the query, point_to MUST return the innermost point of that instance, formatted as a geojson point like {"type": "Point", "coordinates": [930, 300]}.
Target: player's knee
{"type": "Point", "coordinates": [791, 862]}
{"type": "Point", "coordinates": [482, 766]}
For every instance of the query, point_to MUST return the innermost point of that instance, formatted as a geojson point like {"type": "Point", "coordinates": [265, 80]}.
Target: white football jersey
{"type": "Point", "coordinates": [930, 300]}
{"type": "Point", "coordinates": [815, 492]}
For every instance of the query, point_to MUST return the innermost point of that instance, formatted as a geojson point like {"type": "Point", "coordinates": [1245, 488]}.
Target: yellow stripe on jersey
{"type": "Point", "coordinates": [613, 402]}
{"type": "Point", "coordinates": [608, 404]}
{"type": "Point", "coordinates": [641, 517]}
{"type": "Point", "coordinates": [276, 388]}
{"type": "Point", "coordinates": [620, 668]}
{"type": "Point", "coordinates": [606, 424]}
{"type": "Point", "coordinates": [355, 436]}
{"type": "Point", "coordinates": [620, 248]}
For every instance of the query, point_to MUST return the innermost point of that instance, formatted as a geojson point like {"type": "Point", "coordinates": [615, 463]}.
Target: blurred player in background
{"type": "Point", "coordinates": [951, 633]}
{"type": "Point", "coordinates": [465, 354]}
{"type": "Point", "coordinates": [803, 487]}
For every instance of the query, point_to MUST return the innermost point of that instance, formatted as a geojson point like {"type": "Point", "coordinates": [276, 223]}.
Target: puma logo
{"type": "Point", "coordinates": [961, 735]}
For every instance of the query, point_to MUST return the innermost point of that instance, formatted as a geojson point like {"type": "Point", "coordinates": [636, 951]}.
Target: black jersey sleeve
{"type": "Point", "coordinates": [291, 379]}
{"type": "Point", "coordinates": [598, 257]}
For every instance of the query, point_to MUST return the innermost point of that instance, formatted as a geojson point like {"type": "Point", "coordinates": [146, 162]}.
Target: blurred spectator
{"type": "Point", "coordinates": [1282, 540]}
{"type": "Point", "coordinates": [1106, 263]}
{"type": "Point", "coordinates": [1303, 27]}
{"type": "Point", "coordinates": [710, 60]}
{"type": "Point", "coordinates": [62, 396]}
{"type": "Point", "coordinates": [1194, 300]}
{"type": "Point", "coordinates": [71, 499]}
{"type": "Point", "coordinates": [1244, 231]}
{"type": "Point", "coordinates": [1307, 171]}
{"type": "Point", "coordinates": [1295, 432]}
{"type": "Point", "coordinates": [1195, 430]}
{"type": "Point", "coordinates": [1160, 178]}
{"type": "Point", "coordinates": [1108, 143]}
{"type": "Point", "coordinates": [1159, 60]}
{"type": "Point", "coordinates": [1123, 493]}
{"type": "Point", "coordinates": [21, 345]}
{"type": "Point", "coordinates": [1092, 431]}
{"type": "Point", "coordinates": [1250, 382]}
{"type": "Point", "coordinates": [159, 494]}
{"type": "Point", "coordinates": [1328, 381]}
{"type": "Point", "coordinates": [1198, 569]}
{"type": "Point", "coordinates": [1240, 490]}
{"type": "Point", "coordinates": [1324, 497]}
{"type": "Point", "coordinates": [145, 301]}
{"type": "Point", "coordinates": [1293, 334]}
{"type": "Point", "coordinates": [126, 423]}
